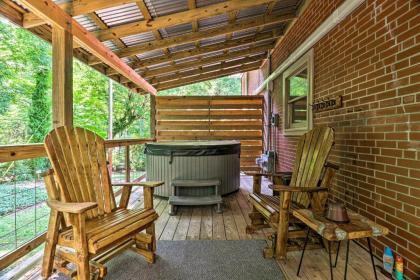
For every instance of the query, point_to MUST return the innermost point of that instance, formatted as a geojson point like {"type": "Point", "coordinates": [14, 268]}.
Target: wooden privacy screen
{"type": "Point", "coordinates": [239, 118]}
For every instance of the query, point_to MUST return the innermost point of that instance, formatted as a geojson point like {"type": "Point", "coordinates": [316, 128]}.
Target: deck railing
{"type": "Point", "coordinates": [23, 211]}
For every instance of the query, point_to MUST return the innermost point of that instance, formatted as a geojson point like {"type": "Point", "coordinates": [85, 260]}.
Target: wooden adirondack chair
{"type": "Point", "coordinates": [308, 187]}
{"type": "Point", "coordinates": [86, 227]}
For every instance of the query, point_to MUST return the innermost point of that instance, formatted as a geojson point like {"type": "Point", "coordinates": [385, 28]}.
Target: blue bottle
{"type": "Point", "coordinates": [388, 260]}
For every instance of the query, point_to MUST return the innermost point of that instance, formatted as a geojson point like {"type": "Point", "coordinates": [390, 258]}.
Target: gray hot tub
{"type": "Point", "coordinates": [199, 160]}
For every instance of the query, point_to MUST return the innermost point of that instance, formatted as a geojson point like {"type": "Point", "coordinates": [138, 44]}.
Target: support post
{"type": "Point", "coordinates": [62, 76]}
{"type": "Point", "coordinates": [127, 163]}
{"type": "Point", "coordinates": [110, 108]}
{"type": "Point", "coordinates": [152, 116]}
{"type": "Point", "coordinates": [110, 122]}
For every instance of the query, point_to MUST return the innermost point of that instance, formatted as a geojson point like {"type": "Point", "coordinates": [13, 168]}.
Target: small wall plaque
{"type": "Point", "coordinates": [327, 104]}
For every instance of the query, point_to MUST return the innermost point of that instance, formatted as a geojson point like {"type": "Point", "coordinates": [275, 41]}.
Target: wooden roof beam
{"type": "Point", "coordinates": [177, 18]}
{"type": "Point", "coordinates": [76, 8]}
{"type": "Point", "coordinates": [208, 60]}
{"type": "Point", "coordinates": [203, 50]}
{"type": "Point", "coordinates": [208, 76]}
{"type": "Point", "coordinates": [213, 68]}
{"type": "Point", "coordinates": [53, 14]}
{"type": "Point", "coordinates": [201, 69]}
{"type": "Point", "coordinates": [193, 37]}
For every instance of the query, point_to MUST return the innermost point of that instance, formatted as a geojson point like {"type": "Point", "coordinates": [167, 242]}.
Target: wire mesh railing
{"type": "Point", "coordinates": [23, 212]}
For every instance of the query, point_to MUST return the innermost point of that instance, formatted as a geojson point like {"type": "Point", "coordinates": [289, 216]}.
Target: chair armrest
{"type": "Point", "coordinates": [281, 188]}
{"type": "Point", "coordinates": [261, 174]}
{"type": "Point", "coordinates": [71, 207]}
{"type": "Point", "coordinates": [150, 184]}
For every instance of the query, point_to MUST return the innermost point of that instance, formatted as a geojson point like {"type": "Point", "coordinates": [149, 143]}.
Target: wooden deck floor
{"type": "Point", "coordinates": [203, 223]}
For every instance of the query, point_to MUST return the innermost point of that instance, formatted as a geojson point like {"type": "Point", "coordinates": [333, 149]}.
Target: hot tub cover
{"type": "Point", "coordinates": [193, 148]}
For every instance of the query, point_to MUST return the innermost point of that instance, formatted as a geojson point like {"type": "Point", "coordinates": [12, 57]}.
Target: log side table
{"type": "Point", "coordinates": [358, 227]}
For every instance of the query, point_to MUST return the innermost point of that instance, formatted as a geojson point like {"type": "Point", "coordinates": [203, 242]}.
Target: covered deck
{"type": "Point", "coordinates": [352, 65]}
{"type": "Point", "coordinates": [203, 223]}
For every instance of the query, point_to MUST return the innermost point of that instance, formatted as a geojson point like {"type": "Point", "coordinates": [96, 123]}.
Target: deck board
{"type": "Point", "coordinates": [203, 223]}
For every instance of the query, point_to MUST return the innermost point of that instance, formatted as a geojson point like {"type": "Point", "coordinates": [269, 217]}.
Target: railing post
{"type": "Point", "coordinates": [127, 163]}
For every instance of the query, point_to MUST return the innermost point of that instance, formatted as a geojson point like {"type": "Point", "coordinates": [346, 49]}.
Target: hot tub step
{"type": "Point", "coordinates": [195, 200]}
{"type": "Point", "coordinates": [195, 183]}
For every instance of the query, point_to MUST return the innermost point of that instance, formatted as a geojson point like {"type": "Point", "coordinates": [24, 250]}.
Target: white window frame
{"type": "Point", "coordinates": [305, 61]}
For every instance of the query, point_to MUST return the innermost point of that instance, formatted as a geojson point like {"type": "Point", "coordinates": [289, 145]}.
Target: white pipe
{"type": "Point", "coordinates": [333, 20]}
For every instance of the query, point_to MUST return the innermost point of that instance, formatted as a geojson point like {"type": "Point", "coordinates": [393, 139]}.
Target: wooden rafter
{"type": "Point", "coordinates": [205, 61]}
{"type": "Point", "coordinates": [148, 17]}
{"type": "Point", "coordinates": [76, 8]}
{"type": "Point", "coordinates": [208, 76]}
{"type": "Point", "coordinates": [163, 77]}
{"type": "Point", "coordinates": [213, 68]}
{"type": "Point", "coordinates": [193, 37]}
{"type": "Point", "coordinates": [101, 24]}
{"type": "Point", "coordinates": [203, 50]}
{"type": "Point", "coordinates": [52, 13]}
{"type": "Point", "coordinates": [176, 19]}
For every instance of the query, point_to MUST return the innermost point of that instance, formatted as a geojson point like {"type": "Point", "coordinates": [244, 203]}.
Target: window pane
{"type": "Point", "coordinates": [298, 84]}
{"type": "Point", "coordinates": [298, 111]}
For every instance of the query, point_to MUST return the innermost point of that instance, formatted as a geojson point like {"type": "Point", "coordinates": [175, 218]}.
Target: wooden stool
{"type": "Point", "coordinates": [358, 227]}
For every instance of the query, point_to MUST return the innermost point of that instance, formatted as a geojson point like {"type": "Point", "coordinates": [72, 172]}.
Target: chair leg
{"type": "Point", "coordinates": [283, 227]}
{"type": "Point", "coordinates": [79, 235]}
{"type": "Point", "coordinates": [50, 244]}
{"type": "Point", "coordinates": [83, 268]}
{"type": "Point", "coordinates": [151, 230]}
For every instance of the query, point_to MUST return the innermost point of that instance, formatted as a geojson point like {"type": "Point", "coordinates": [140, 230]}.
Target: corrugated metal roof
{"type": "Point", "coordinates": [176, 30]}
{"type": "Point", "coordinates": [151, 54]}
{"type": "Point", "coordinates": [183, 47]}
{"type": "Point", "coordinates": [212, 22]}
{"type": "Point", "coordinates": [157, 66]}
{"type": "Point", "coordinates": [110, 45]}
{"type": "Point", "coordinates": [138, 39]}
{"type": "Point", "coordinates": [87, 23]}
{"type": "Point", "coordinates": [213, 40]}
{"type": "Point", "coordinates": [244, 33]}
{"type": "Point", "coordinates": [158, 8]}
{"type": "Point", "coordinates": [251, 12]}
{"type": "Point", "coordinates": [129, 13]}
{"type": "Point", "coordinates": [120, 15]}
{"type": "Point", "coordinates": [212, 54]}
{"type": "Point", "coordinates": [202, 3]}
{"type": "Point", "coordinates": [187, 59]}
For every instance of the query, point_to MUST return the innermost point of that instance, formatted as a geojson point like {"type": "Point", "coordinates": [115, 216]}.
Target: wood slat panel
{"type": "Point", "coordinates": [213, 118]}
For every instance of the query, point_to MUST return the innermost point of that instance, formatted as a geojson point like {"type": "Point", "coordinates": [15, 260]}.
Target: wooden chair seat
{"type": "Point", "coordinates": [269, 206]}
{"type": "Point", "coordinates": [104, 230]}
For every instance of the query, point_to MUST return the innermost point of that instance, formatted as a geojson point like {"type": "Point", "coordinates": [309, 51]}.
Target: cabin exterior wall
{"type": "Point", "coordinates": [372, 59]}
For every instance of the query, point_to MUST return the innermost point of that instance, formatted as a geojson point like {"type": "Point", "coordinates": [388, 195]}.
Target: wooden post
{"type": "Point", "coordinates": [127, 163]}
{"type": "Point", "coordinates": [110, 122]}
{"type": "Point", "coordinates": [110, 108]}
{"type": "Point", "coordinates": [152, 116]}
{"type": "Point", "coordinates": [62, 76]}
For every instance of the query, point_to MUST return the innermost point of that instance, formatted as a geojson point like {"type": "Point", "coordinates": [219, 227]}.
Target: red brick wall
{"type": "Point", "coordinates": [372, 58]}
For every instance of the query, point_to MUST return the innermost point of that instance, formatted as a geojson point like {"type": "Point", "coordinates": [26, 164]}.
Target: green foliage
{"type": "Point", "coordinates": [230, 85]}
{"type": "Point", "coordinates": [298, 86]}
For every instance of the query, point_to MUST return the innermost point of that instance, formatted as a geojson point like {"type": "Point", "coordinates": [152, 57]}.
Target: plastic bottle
{"type": "Point", "coordinates": [399, 267]}
{"type": "Point", "coordinates": [388, 260]}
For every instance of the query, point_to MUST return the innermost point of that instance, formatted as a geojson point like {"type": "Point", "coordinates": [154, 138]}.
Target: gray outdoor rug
{"type": "Point", "coordinates": [198, 259]}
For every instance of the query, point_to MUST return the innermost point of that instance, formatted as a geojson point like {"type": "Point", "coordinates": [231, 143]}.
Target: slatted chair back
{"type": "Point", "coordinates": [311, 156]}
{"type": "Point", "coordinates": [79, 162]}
